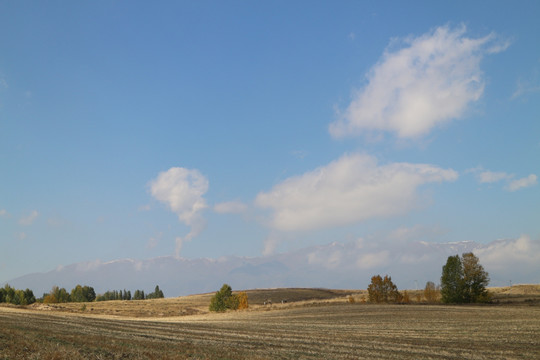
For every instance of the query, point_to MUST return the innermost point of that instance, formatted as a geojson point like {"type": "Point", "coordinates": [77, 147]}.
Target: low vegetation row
{"type": "Point", "coordinates": [79, 293]}
{"type": "Point", "coordinates": [87, 294]}
{"type": "Point", "coordinates": [126, 295]}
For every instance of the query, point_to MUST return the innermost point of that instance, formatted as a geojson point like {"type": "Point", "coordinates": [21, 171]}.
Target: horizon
{"type": "Point", "coordinates": [331, 266]}
{"type": "Point", "coordinates": [256, 130]}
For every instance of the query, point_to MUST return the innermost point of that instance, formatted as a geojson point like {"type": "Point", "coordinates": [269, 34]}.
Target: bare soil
{"type": "Point", "coordinates": [323, 328]}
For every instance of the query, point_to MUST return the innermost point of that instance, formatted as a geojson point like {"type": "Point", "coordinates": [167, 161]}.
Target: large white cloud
{"type": "Point", "coordinates": [182, 190]}
{"type": "Point", "coordinates": [430, 80]}
{"type": "Point", "coordinates": [348, 190]}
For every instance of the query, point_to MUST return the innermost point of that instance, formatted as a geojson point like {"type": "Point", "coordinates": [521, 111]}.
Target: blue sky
{"type": "Point", "coordinates": [208, 128]}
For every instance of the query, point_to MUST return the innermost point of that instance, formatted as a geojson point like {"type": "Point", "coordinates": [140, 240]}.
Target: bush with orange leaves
{"type": "Point", "coordinates": [242, 300]}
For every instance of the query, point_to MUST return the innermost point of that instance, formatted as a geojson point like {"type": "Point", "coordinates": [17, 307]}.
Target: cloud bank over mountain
{"type": "Point", "coordinates": [338, 265]}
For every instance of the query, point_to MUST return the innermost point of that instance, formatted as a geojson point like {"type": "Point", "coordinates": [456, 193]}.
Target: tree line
{"type": "Point", "coordinates": [463, 280]}
{"type": "Point", "coordinates": [87, 294]}
{"type": "Point", "coordinates": [14, 296]}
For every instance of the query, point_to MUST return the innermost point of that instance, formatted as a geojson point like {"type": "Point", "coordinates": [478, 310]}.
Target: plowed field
{"type": "Point", "coordinates": [331, 331]}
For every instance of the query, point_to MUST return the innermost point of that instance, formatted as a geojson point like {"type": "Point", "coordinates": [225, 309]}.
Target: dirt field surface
{"type": "Point", "coordinates": [325, 331]}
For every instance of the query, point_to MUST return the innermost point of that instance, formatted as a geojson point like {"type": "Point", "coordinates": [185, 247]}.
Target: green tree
{"type": "Point", "coordinates": [82, 294]}
{"type": "Point", "coordinates": [89, 293]}
{"type": "Point", "coordinates": [475, 279]}
{"type": "Point", "coordinates": [224, 299]}
{"type": "Point", "coordinates": [77, 294]}
{"type": "Point", "coordinates": [57, 295]}
{"type": "Point", "coordinates": [452, 280]}
{"type": "Point", "coordinates": [138, 295]}
{"type": "Point", "coordinates": [157, 294]}
{"type": "Point", "coordinates": [29, 297]}
{"type": "Point", "coordinates": [383, 290]}
{"type": "Point", "coordinates": [464, 280]}
{"type": "Point", "coordinates": [9, 294]}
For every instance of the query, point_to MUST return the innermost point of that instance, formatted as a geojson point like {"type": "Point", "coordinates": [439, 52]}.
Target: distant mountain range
{"type": "Point", "coordinates": [336, 265]}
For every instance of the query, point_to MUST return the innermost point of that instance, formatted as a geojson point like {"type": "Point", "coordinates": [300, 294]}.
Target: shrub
{"type": "Point", "coordinates": [242, 300]}
{"type": "Point", "coordinates": [431, 292]}
{"type": "Point", "coordinates": [406, 298]}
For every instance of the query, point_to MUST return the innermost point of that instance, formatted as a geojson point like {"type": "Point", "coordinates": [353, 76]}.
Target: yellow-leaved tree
{"type": "Point", "coordinates": [242, 300]}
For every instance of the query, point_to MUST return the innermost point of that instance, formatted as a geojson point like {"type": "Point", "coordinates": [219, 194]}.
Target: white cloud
{"type": "Point", "coordinates": [182, 190]}
{"type": "Point", "coordinates": [511, 254]}
{"type": "Point", "coordinates": [271, 243]}
{"type": "Point", "coordinates": [348, 190]}
{"type": "Point", "coordinates": [330, 260]}
{"type": "Point", "coordinates": [28, 220]}
{"type": "Point", "coordinates": [416, 232]}
{"type": "Point", "coordinates": [88, 265]}
{"type": "Point", "coordinates": [492, 177]}
{"type": "Point", "coordinates": [3, 212]}
{"type": "Point", "coordinates": [373, 260]}
{"type": "Point", "coordinates": [154, 240]}
{"type": "Point", "coordinates": [231, 207]}
{"type": "Point", "coordinates": [522, 183]}
{"type": "Point", "coordinates": [431, 80]}
{"type": "Point", "coordinates": [525, 87]}
{"type": "Point", "coordinates": [485, 176]}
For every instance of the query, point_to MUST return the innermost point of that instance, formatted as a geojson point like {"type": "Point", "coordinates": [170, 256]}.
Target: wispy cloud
{"type": "Point", "coordinates": [146, 207]}
{"type": "Point", "coordinates": [430, 80]}
{"type": "Point", "coordinates": [154, 240]}
{"type": "Point", "coordinates": [522, 183]}
{"type": "Point", "coordinates": [3, 212]}
{"type": "Point", "coordinates": [512, 184]}
{"type": "Point", "coordinates": [182, 190]}
{"type": "Point", "coordinates": [348, 190]}
{"type": "Point", "coordinates": [493, 177]}
{"type": "Point", "coordinates": [525, 87]}
{"type": "Point", "coordinates": [29, 220]}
